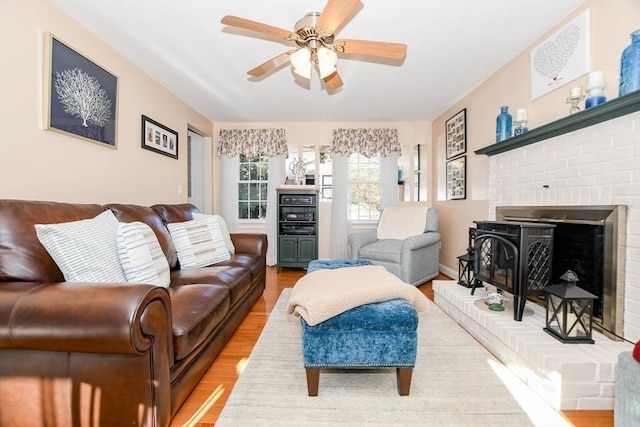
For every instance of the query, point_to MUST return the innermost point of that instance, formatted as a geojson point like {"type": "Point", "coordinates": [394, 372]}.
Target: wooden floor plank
{"type": "Point", "coordinates": [205, 403]}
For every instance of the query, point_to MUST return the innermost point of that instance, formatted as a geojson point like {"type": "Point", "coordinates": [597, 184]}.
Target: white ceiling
{"type": "Point", "coordinates": [452, 46]}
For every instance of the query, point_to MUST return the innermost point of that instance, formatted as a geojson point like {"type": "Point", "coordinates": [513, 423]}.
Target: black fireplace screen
{"type": "Point", "coordinates": [514, 257]}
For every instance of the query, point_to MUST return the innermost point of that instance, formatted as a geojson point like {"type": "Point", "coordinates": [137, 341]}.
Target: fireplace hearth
{"type": "Point", "coordinates": [586, 240]}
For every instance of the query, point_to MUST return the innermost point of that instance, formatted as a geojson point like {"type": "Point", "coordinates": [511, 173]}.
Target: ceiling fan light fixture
{"type": "Point", "coordinates": [327, 60]}
{"type": "Point", "coordinates": [301, 62]}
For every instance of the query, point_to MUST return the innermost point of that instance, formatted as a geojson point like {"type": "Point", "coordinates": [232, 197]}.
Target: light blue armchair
{"type": "Point", "coordinates": [414, 259]}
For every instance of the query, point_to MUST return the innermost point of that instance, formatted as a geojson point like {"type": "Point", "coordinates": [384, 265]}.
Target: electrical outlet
{"type": "Point", "coordinates": [179, 190]}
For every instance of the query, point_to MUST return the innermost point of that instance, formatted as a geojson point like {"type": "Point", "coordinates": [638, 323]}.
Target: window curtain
{"type": "Point", "coordinates": [230, 172]}
{"type": "Point", "coordinates": [252, 142]}
{"type": "Point", "coordinates": [277, 175]}
{"type": "Point", "coordinates": [339, 248]}
{"type": "Point", "coordinates": [389, 180]}
{"type": "Point", "coordinates": [369, 143]}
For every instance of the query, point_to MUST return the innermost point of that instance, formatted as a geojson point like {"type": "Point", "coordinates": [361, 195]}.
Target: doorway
{"type": "Point", "coordinates": [196, 169]}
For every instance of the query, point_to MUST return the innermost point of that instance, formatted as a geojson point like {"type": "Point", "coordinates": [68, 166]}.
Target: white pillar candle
{"type": "Point", "coordinates": [521, 115]}
{"type": "Point", "coordinates": [576, 91]}
{"type": "Point", "coordinates": [571, 319]}
{"type": "Point", "coordinates": [595, 83]}
{"type": "Point", "coordinates": [595, 79]}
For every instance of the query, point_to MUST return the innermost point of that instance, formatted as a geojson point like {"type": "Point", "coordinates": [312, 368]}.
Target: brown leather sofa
{"type": "Point", "coordinates": [111, 354]}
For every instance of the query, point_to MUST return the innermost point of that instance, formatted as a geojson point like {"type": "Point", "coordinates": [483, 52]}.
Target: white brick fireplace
{"type": "Point", "coordinates": [595, 165]}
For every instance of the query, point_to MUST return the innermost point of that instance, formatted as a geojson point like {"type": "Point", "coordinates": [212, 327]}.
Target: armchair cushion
{"type": "Point", "coordinates": [383, 250]}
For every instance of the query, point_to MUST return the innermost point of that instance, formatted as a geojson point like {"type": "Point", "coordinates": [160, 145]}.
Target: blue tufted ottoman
{"type": "Point", "coordinates": [371, 336]}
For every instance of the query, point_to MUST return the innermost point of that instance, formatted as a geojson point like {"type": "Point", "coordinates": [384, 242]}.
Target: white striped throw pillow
{"type": "Point", "coordinates": [223, 229]}
{"type": "Point", "coordinates": [85, 250]}
{"type": "Point", "coordinates": [196, 244]}
{"type": "Point", "coordinates": [141, 256]}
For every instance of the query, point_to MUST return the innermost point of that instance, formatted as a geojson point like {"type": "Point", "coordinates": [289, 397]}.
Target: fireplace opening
{"type": "Point", "coordinates": [579, 248]}
{"type": "Point", "coordinates": [587, 240]}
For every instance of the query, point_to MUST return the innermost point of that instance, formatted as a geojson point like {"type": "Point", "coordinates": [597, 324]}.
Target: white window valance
{"type": "Point", "coordinates": [252, 142]}
{"type": "Point", "coordinates": [366, 141]}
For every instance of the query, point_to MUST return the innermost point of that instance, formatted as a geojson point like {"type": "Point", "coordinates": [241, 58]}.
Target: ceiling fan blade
{"type": "Point", "coordinates": [378, 49]}
{"type": "Point", "coordinates": [336, 12]}
{"type": "Point", "coordinates": [333, 81]}
{"type": "Point", "coordinates": [247, 24]}
{"type": "Point", "coordinates": [269, 65]}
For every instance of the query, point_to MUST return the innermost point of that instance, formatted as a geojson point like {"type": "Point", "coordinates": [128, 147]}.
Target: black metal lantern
{"type": "Point", "coordinates": [465, 269]}
{"type": "Point", "coordinates": [569, 311]}
{"type": "Point", "coordinates": [465, 263]}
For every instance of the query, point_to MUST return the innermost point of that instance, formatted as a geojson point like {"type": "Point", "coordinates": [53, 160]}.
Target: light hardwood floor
{"type": "Point", "coordinates": [205, 403]}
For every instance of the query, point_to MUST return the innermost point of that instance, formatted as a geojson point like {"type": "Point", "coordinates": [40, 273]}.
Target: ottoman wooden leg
{"type": "Point", "coordinates": [313, 377]}
{"type": "Point", "coordinates": [404, 380]}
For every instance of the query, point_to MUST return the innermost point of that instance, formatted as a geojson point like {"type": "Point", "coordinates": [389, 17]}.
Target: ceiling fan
{"type": "Point", "coordinates": [317, 47]}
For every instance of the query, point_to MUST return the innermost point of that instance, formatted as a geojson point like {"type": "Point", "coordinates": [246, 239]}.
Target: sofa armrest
{"type": "Point", "coordinates": [250, 243]}
{"type": "Point", "coordinates": [84, 317]}
{"type": "Point", "coordinates": [360, 239]}
{"type": "Point", "coordinates": [423, 240]}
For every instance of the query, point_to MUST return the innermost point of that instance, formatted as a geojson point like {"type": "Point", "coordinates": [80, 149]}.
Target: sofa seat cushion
{"type": "Point", "coordinates": [382, 250]}
{"type": "Point", "coordinates": [197, 309]}
{"type": "Point", "coordinates": [254, 263]}
{"type": "Point", "coordinates": [236, 279]}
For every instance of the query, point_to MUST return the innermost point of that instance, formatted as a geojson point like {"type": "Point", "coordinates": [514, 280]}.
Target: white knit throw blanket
{"type": "Point", "coordinates": [325, 293]}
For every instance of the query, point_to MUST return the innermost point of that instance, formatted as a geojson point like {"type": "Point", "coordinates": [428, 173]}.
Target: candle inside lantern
{"type": "Point", "coordinates": [521, 115]}
{"type": "Point", "coordinates": [576, 91]}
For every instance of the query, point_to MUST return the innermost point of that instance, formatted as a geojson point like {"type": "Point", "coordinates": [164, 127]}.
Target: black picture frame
{"type": "Point", "coordinates": [456, 134]}
{"type": "Point", "coordinates": [159, 138]}
{"type": "Point", "coordinates": [457, 178]}
{"type": "Point", "coordinates": [69, 77]}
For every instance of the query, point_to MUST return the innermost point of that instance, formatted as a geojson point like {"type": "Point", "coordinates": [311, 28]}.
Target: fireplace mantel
{"type": "Point", "coordinates": [609, 110]}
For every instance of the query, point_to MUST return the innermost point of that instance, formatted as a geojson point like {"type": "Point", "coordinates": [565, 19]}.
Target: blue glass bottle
{"type": "Point", "coordinates": [503, 124]}
{"type": "Point", "coordinates": [630, 66]}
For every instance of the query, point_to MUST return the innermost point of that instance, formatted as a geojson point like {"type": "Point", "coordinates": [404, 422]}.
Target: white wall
{"type": "Point", "coordinates": [44, 165]}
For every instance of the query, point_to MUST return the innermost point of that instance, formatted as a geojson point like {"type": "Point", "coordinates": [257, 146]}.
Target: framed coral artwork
{"type": "Point", "coordinates": [80, 96]}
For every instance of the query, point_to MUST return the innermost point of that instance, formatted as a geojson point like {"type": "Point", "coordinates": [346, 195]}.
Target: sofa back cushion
{"type": "Point", "coordinates": [22, 256]}
{"type": "Point", "coordinates": [175, 213]}
{"type": "Point", "coordinates": [145, 214]}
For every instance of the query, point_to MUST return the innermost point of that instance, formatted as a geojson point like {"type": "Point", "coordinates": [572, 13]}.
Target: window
{"type": "Point", "coordinates": [252, 187]}
{"type": "Point", "coordinates": [364, 191]}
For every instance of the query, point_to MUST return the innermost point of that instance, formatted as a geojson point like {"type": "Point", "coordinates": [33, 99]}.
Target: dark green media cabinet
{"type": "Point", "coordinates": [297, 227]}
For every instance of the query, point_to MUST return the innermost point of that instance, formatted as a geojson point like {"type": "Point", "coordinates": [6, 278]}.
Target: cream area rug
{"type": "Point", "coordinates": [456, 382]}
